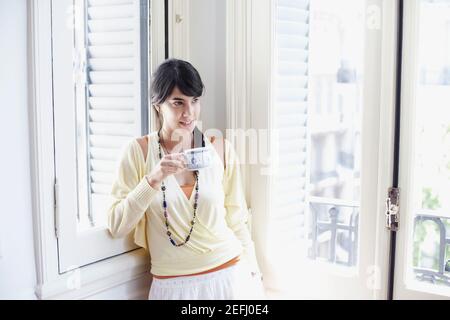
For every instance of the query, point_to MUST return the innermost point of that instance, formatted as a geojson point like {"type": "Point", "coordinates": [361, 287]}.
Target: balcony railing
{"type": "Point", "coordinates": [334, 225]}
{"type": "Point", "coordinates": [441, 275]}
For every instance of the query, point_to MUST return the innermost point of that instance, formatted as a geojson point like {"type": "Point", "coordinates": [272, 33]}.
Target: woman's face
{"type": "Point", "coordinates": [180, 112]}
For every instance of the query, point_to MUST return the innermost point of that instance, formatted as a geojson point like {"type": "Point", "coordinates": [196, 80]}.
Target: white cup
{"type": "Point", "coordinates": [197, 158]}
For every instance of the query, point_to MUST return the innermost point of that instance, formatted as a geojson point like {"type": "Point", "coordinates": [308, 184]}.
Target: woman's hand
{"type": "Point", "coordinates": [173, 163]}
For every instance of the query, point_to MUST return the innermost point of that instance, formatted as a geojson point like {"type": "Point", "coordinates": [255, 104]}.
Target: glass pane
{"type": "Point", "coordinates": [334, 111]}
{"type": "Point", "coordinates": [430, 245]}
{"type": "Point", "coordinates": [335, 95]}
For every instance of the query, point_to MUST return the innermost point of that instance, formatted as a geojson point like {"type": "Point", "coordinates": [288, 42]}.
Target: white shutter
{"type": "Point", "coordinates": [100, 68]}
{"type": "Point", "coordinates": [113, 93]}
{"type": "Point", "coordinates": [290, 117]}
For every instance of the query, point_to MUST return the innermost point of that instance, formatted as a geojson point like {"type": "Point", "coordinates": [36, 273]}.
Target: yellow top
{"type": "Point", "coordinates": [220, 232]}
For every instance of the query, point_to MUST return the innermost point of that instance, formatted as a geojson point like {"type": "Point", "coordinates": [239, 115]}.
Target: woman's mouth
{"type": "Point", "coordinates": [186, 123]}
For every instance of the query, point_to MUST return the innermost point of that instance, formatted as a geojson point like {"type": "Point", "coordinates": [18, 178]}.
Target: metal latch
{"type": "Point", "coordinates": [392, 209]}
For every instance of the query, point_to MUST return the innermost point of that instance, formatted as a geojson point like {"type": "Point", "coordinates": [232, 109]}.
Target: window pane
{"type": "Point", "coordinates": [431, 241]}
{"type": "Point", "coordinates": [334, 111]}
{"type": "Point", "coordinates": [335, 95]}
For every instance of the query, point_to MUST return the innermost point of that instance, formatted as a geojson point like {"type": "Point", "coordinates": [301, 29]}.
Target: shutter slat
{"type": "Point", "coordinates": [116, 103]}
{"type": "Point", "coordinates": [289, 108]}
{"type": "Point", "coordinates": [292, 132]}
{"type": "Point", "coordinates": [111, 77]}
{"type": "Point", "coordinates": [283, 174]}
{"type": "Point", "coordinates": [292, 159]}
{"type": "Point", "coordinates": [111, 154]}
{"type": "Point", "coordinates": [111, 38]}
{"type": "Point", "coordinates": [292, 28]}
{"type": "Point", "coordinates": [102, 177]}
{"type": "Point", "coordinates": [292, 42]}
{"type": "Point", "coordinates": [121, 64]}
{"type": "Point", "coordinates": [110, 51]}
{"type": "Point", "coordinates": [112, 90]}
{"type": "Point", "coordinates": [295, 184]}
{"type": "Point", "coordinates": [293, 68]}
{"type": "Point", "coordinates": [112, 116]}
{"type": "Point", "coordinates": [291, 14]}
{"type": "Point", "coordinates": [96, 3]}
{"type": "Point", "coordinates": [114, 129]}
{"type": "Point", "coordinates": [298, 4]}
{"type": "Point", "coordinates": [111, 25]}
{"type": "Point", "coordinates": [291, 94]}
{"type": "Point", "coordinates": [289, 54]}
{"type": "Point", "coordinates": [291, 120]}
{"type": "Point", "coordinates": [98, 188]}
{"type": "Point", "coordinates": [294, 81]}
{"type": "Point", "coordinates": [293, 144]}
{"type": "Point", "coordinates": [112, 11]}
{"type": "Point", "coordinates": [102, 141]}
{"type": "Point", "coordinates": [103, 165]}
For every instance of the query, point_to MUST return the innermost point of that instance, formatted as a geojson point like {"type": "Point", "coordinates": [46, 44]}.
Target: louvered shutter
{"type": "Point", "coordinates": [290, 117]}
{"type": "Point", "coordinates": [100, 104]}
{"type": "Point", "coordinates": [114, 89]}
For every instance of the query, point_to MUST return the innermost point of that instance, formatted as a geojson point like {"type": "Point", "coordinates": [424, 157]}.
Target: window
{"type": "Point", "coordinates": [100, 62]}
{"type": "Point", "coordinates": [323, 62]}
{"type": "Point", "coordinates": [429, 245]}
{"type": "Point", "coordinates": [318, 102]}
{"type": "Point", "coordinates": [335, 114]}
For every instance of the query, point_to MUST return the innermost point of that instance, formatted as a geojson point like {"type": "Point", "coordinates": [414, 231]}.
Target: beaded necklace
{"type": "Point", "coordinates": [164, 204]}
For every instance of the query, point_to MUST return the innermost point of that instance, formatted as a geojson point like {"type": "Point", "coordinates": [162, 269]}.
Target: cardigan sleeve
{"type": "Point", "coordinates": [130, 197]}
{"type": "Point", "coordinates": [236, 207]}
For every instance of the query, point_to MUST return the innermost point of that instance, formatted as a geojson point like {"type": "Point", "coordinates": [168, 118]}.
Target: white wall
{"type": "Point", "coordinates": [207, 54]}
{"type": "Point", "coordinates": [17, 266]}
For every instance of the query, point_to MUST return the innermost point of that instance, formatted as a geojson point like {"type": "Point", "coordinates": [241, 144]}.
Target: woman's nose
{"type": "Point", "coordinates": [189, 108]}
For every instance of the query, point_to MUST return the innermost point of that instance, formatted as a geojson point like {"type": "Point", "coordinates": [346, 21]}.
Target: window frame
{"type": "Point", "coordinates": [85, 281]}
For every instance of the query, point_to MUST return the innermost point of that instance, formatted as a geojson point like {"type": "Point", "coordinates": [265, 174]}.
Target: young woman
{"type": "Point", "coordinates": [194, 223]}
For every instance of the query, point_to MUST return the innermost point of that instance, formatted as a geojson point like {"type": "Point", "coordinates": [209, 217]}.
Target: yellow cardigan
{"type": "Point", "coordinates": [220, 232]}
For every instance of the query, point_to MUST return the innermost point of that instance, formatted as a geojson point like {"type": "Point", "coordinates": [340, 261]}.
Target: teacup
{"type": "Point", "coordinates": [197, 158]}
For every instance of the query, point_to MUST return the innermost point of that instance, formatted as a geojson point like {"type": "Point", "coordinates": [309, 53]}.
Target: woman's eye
{"type": "Point", "coordinates": [177, 104]}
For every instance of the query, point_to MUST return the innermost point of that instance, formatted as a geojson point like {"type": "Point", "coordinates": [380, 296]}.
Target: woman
{"type": "Point", "coordinates": [192, 222]}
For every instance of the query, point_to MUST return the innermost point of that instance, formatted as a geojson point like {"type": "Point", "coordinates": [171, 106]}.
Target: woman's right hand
{"type": "Point", "coordinates": [173, 163]}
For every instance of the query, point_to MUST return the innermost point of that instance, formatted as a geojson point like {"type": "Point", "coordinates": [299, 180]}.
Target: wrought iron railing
{"type": "Point", "coordinates": [327, 218]}
{"type": "Point", "coordinates": [441, 275]}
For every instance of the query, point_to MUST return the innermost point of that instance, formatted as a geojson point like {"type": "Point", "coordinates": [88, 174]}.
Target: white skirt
{"type": "Point", "coordinates": [232, 283]}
